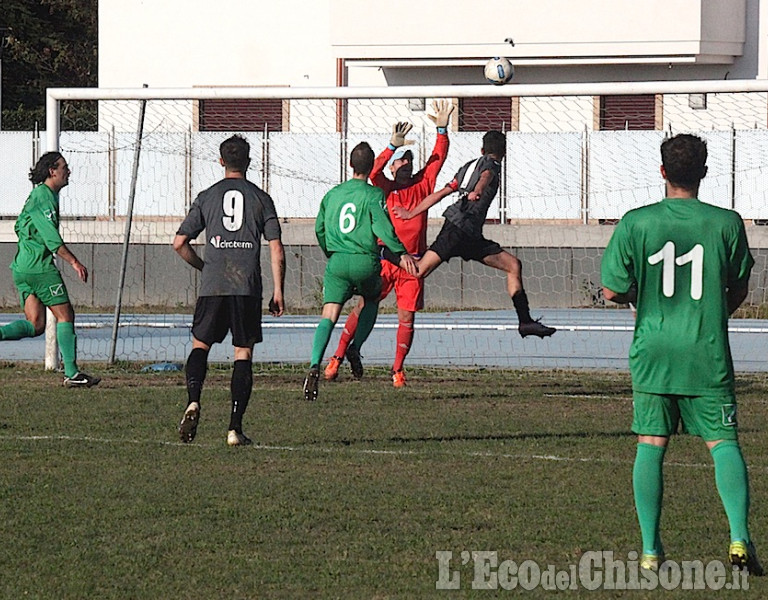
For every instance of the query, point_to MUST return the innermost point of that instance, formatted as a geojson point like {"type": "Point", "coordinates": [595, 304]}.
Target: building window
{"type": "Point", "coordinates": [628, 112]}
{"type": "Point", "coordinates": [255, 114]}
{"type": "Point", "coordinates": [484, 114]}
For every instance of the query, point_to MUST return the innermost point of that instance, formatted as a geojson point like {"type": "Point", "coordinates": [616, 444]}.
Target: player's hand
{"type": "Point", "coordinates": [399, 131]}
{"type": "Point", "coordinates": [401, 213]}
{"type": "Point", "coordinates": [408, 263]}
{"type": "Point", "coordinates": [81, 271]}
{"type": "Point", "coordinates": [443, 110]}
{"type": "Point", "coordinates": [473, 196]}
{"type": "Point", "coordinates": [276, 306]}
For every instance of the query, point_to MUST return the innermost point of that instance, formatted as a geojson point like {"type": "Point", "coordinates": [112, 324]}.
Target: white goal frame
{"type": "Point", "coordinates": [55, 96]}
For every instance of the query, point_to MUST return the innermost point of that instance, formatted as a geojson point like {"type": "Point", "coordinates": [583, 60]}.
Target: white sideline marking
{"type": "Point", "coordinates": [433, 326]}
{"type": "Point", "coordinates": [347, 449]}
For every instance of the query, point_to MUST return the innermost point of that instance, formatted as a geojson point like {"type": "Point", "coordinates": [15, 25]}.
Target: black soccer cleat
{"type": "Point", "coordinates": [535, 328]}
{"type": "Point", "coordinates": [81, 379]}
{"type": "Point", "coordinates": [355, 362]}
{"type": "Point", "coordinates": [311, 383]}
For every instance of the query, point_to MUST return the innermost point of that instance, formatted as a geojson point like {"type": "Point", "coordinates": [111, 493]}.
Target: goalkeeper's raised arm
{"type": "Point", "coordinates": [425, 204]}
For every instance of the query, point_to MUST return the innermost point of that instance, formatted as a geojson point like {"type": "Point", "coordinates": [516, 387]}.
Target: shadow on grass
{"type": "Point", "coordinates": [510, 437]}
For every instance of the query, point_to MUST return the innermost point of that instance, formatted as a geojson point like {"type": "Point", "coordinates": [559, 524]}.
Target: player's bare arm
{"type": "Point", "coordinates": [66, 255]}
{"type": "Point", "coordinates": [482, 183]}
{"type": "Point", "coordinates": [630, 296]}
{"type": "Point", "coordinates": [424, 205]}
{"type": "Point", "coordinates": [277, 260]}
{"type": "Point", "coordinates": [184, 249]}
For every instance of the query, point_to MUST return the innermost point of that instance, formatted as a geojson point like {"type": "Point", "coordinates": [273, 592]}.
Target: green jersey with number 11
{"type": "Point", "coordinates": [351, 219]}
{"type": "Point", "coordinates": [684, 255]}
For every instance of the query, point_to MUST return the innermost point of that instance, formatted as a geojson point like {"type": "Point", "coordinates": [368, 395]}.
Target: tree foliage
{"type": "Point", "coordinates": [48, 43]}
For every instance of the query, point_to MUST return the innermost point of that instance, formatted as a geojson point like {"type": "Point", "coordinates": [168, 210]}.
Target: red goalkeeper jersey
{"type": "Point", "coordinates": [413, 232]}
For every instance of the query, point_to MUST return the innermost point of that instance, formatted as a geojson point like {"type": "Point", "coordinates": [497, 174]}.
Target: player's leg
{"type": "Point", "coordinates": [447, 244]}
{"type": "Point", "coordinates": [648, 488]}
{"type": "Point", "coordinates": [714, 420]}
{"type": "Point", "coordinates": [53, 294]}
{"type": "Point", "coordinates": [367, 278]}
{"type": "Point", "coordinates": [195, 372]}
{"type": "Point", "coordinates": [328, 318]}
{"type": "Point", "coordinates": [337, 289]}
{"type": "Point", "coordinates": [428, 263]}
{"type": "Point", "coordinates": [347, 334]}
{"type": "Point", "coordinates": [655, 418]}
{"type": "Point", "coordinates": [245, 325]}
{"type": "Point", "coordinates": [388, 276]}
{"type": "Point", "coordinates": [32, 326]}
{"type": "Point", "coordinates": [410, 299]}
{"type": "Point", "coordinates": [34, 312]}
{"type": "Point", "coordinates": [504, 261]}
{"type": "Point", "coordinates": [405, 322]}
{"type": "Point", "coordinates": [36, 291]}
{"type": "Point", "coordinates": [240, 393]}
{"type": "Point", "coordinates": [210, 324]}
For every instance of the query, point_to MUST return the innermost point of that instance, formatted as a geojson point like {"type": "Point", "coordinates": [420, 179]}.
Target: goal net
{"type": "Point", "coordinates": [578, 157]}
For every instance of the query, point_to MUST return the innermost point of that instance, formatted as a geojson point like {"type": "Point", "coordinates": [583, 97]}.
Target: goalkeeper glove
{"type": "Point", "coordinates": [399, 131]}
{"type": "Point", "coordinates": [443, 110]}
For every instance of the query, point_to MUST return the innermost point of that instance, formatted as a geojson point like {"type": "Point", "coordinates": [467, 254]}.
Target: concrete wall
{"type": "Point", "coordinates": [561, 269]}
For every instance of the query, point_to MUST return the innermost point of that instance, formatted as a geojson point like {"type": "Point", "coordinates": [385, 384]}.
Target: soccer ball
{"type": "Point", "coordinates": [499, 70]}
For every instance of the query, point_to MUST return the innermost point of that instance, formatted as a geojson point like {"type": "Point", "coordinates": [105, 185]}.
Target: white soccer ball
{"type": "Point", "coordinates": [499, 70]}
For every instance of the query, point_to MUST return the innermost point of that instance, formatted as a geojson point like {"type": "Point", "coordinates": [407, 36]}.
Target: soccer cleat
{"type": "Point", "coordinates": [744, 556]}
{"type": "Point", "coordinates": [355, 364]}
{"type": "Point", "coordinates": [237, 439]}
{"type": "Point", "coordinates": [398, 378]}
{"type": "Point", "coordinates": [188, 425]}
{"type": "Point", "coordinates": [332, 370]}
{"type": "Point", "coordinates": [310, 383]}
{"type": "Point", "coordinates": [80, 379]}
{"type": "Point", "coordinates": [651, 562]}
{"type": "Point", "coordinates": [535, 328]}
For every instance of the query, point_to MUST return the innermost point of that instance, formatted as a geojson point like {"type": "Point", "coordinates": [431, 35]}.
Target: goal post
{"type": "Point", "coordinates": [579, 155]}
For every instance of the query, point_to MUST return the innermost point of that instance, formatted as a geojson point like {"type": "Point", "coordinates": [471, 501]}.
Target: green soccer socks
{"type": "Point", "coordinates": [733, 486]}
{"type": "Point", "coordinates": [65, 334]}
{"type": "Point", "coordinates": [648, 484]}
{"type": "Point", "coordinates": [17, 330]}
{"type": "Point", "coordinates": [320, 341]}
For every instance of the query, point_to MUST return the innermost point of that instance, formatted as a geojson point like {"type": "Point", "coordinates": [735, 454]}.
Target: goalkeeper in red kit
{"type": "Point", "coordinates": [406, 190]}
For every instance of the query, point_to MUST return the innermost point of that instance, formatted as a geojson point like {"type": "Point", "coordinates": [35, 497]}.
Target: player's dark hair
{"type": "Point", "coordinates": [235, 152]}
{"type": "Point", "coordinates": [361, 159]}
{"type": "Point", "coordinates": [684, 158]}
{"type": "Point", "coordinates": [40, 172]}
{"type": "Point", "coordinates": [495, 142]}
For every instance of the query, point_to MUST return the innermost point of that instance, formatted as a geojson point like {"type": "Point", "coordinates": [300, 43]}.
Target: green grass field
{"type": "Point", "coordinates": [349, 497]}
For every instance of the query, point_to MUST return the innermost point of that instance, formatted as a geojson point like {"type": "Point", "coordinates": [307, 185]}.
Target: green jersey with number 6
{"type": "Point", "coordinates": [352, 219]}
{"type": "Point", "coordinates": [683, 254]}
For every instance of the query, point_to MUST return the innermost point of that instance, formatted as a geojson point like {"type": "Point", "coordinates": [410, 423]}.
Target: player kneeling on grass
{"type": "Point", "coordinates": [690, 263]}
{"type": "Point", "coordinates": [462, 233]}
{"type": "Point", "coordinates": [35, 275]}
{"type": "Point", "coordinates": [235, 214]}
{"type": "Point", "coordinates": [349, 224]}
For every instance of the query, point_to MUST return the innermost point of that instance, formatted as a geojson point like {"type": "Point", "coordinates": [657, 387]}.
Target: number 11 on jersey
{"type": "Point", "coordinates": [666, 256]}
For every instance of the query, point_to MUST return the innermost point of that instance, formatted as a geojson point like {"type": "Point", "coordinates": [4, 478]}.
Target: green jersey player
{"type": "Point", "coordinates": [35, 275]}
{"type": "Point", "coordinates": [686, 265]}
{"type": "Point", "coordinates": [349, 224]}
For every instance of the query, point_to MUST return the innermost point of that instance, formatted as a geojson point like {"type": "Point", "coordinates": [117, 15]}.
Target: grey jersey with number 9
{"type": "Point", "coordinates": [235, 214]}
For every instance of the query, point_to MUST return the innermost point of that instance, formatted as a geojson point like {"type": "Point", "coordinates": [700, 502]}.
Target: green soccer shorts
{"type": "Point", "coordinates": [48, 287]}
{"type": "Point", "coordinates": [350, 274]}
{"type": "Point", "coordinates": [711, 418]}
